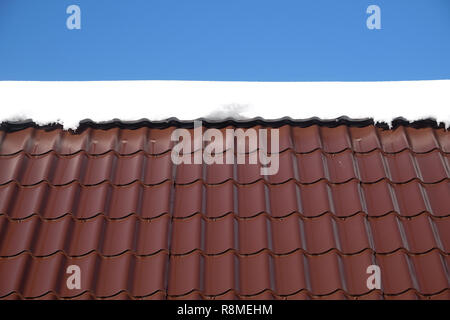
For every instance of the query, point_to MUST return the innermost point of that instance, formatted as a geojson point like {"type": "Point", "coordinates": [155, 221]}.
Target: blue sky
{"type": "Point", "coordinates": [232, 40]}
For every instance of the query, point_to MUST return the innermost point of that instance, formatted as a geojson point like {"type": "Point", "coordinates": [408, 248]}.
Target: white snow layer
{"type": "Point", "coordinates": [70, 102]}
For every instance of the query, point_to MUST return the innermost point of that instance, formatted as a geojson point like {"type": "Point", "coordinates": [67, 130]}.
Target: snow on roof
{"type": "Point", "coordinates": [70, 102]}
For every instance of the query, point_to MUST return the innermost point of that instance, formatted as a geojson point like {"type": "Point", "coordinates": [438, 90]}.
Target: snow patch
{"type": "Point", "coordinates": [70, 102]}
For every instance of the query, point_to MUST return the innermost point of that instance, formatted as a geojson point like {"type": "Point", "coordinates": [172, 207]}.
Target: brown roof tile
{"type": "Point", "coordinates": [111, 202]}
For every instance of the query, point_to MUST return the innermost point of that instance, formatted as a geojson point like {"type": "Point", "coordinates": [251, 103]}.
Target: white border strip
{"type": "Point", "coordinates": [70, 102]}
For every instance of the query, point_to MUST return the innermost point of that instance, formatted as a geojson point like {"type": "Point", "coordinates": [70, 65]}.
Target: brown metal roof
{"type": "Point", "coordinates": [111, 202]}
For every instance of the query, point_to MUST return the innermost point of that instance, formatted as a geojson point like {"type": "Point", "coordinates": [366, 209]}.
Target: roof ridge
{"type": "Point", "coordinates": [211, 123]}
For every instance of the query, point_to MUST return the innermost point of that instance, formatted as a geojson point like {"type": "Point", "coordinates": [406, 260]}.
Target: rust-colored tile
{"type": "Point", "coordinates": [132, 140]}
{"type": "Point", "coordinates": [42, 275]}
{"type": "Point", "coordinates": [422, 140]}
{"type": "Point", "coordinates": [119, 296]}
{"type": "Point", "coordinates": [432, 167]}
{"type": "Point", "coordinates": [6, 195]}
{"type": "Point", "coordinates": [443, 136]}
{"type": "Point", "coordinates": [311, 167]}
{"type": "Point", "coordinates": [346, 198]}
{"type": "Point", "coordinates": [14, 142]}
{"type": "Point", "coordinates": [364, 139]}
{"type": "Point", "coordinates": [159, 140]}
{"type": "Point", "coordinates": [335, 139]}
{"type": "Point", "coordinates": [393, 140]}
{"type": "Point", "coordinates": [289, 273]}
{"type": "Point", "coordinates": [249, 168]}
{"type": "Point", "coordinates": [17, 236]}
{"type": "Point", "coordinates": [302, 295]}
{"type": "Point", "coordinates": [306, 139]}
{"type": "Point", "coordinates": [378, 198]}
{"type": "Point", "coordinates": [190, 172]}
{"type": "Point", "coordinates": [353, 234]}
{"type": "Point", "coordinates": [123, 200]}
{"type": "Point", "coordinates": [158, 169]}
{"type": "Point", "coordinates": [12, 296]}
{"type": "Point", "coordinates": [92, 201]}
{"type": "Point", "coordinates": [419, 234]}
{"type": "Point", "coordinates": [148, 275]}
{"type": "Point", "coordinates": [230, 295]}
{"type": "Point", "coordinates": [408, 295]}
{"type": "Point", "coordinates": [286, 169]}
{"type": "Point", "coordinates": [113, 275]}
{"type": "Point", "coordinates": [51, 236]}
{"type": "Point", "coordinates": [371, 166]}
{"type": "Point", "coordinates": [119, 236]}
{"type": "Point", "coordinates": [68, 169]}
{"type": "Point", "coordinates": [184, 274]}
{"type": "Point", "coordinates": [219, 275]}
{"type": "Point", "coordinates": [219, 199]}
{"type": "Point", "coordinates": [37, 169]}
{"type": "Point", "coordinates": [11, 274]}
{"type": "Point", "coordinates": [61, 200]}
{"type": "Point", "coordinates": [186, 235]}
{"type": "Point", "coordinates": [152, 236]}
{"type": "Point", "coordinates": [219, 173]}
{"type": "Point", "coordinates": [439, 198]}
{"type": "Point", "coordinates": [10, 167]}
{"type": "Point", "coordinates": [98, 169]}
{"type": "Point", "coordinates": [102, 141]}
{"type": "Point", "coordinates": [253, 235]}
{"type": "Point", "coordinates": [410, 198]}
{"type": "Point", "coordinates": [128, 169]}
{"type": "Point", "coordinates": [286, 234]}
{"type": "Point", "coordinates": [194, 295]}
{"type": "Point", "coordinates": [156, 200]}
{"type": "Point", "coordinates": [443, 226]}
{"type": "Point", "coordinates": [254, 273]}
{"type": "Point", "coordinates": [188, 200]}
{"type": "Point", "coordinates": [43, 141]}
{"type": "Point", "coordinates": [341, 167]}
{"type": "Point", "coordinates": [285, 141]}
{"type": "Point", "coordinates": [319, 234]}
{"type": "Point", "coordinates": [85, 236]}
{"type": "Point", "coordinates": [445, 295]}
{"type": "Point", "coordinates": [315, 199]}
{"type": "Point", "coordinates": [220, 234]}
{"type": "Point", "coordinates": [324, 273]}
{"type": "Point", "coordinates": [159, 295]}
{"type": "Point", "coordinates": [71, 143]}
{"type": "Point", "coordinates": [284, 199]}
{"type": "Point", "coordinates": [251, 199]}
{"type": "Point", "coordinates": [430, 272]}
{"type": "Point", "coordinates": [401, 166]}
{"type": "Point", "coordinates": [28, 201]}
{"type": "Point", "coordinates": [355, 267]}
{"type": "Point", "coordinates": [386, 233]}
{"type": "Point", "coordinates": [338, 295]}
{"type": "Point", "coordinates": [373, 295]}
{"type": "Point", "coordinates": [395, 274]}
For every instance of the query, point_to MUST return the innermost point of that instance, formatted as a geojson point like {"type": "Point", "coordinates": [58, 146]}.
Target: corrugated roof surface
{"type": "Point", "coordinates": [112, 202]}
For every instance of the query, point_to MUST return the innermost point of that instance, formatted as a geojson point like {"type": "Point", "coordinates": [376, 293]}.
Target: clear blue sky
{"type": "Point", "coordinates": [245, 40]}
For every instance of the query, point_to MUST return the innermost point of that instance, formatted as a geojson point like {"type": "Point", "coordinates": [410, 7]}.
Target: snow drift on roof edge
{"type": "Point", "coordinates": [68, 103]}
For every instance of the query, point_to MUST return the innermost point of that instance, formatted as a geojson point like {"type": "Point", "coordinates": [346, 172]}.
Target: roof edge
{"type": "Point", "coordinates": [11, 126]}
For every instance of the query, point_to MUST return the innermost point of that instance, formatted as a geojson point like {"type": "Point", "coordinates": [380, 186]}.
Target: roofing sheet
{"type": "Point", "coordinates": [111, 201]}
